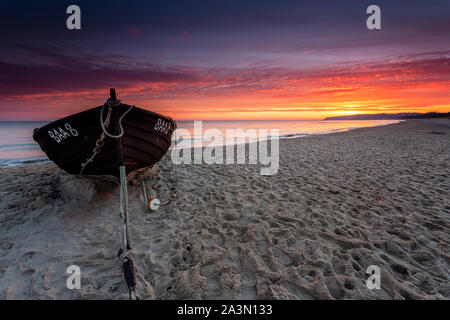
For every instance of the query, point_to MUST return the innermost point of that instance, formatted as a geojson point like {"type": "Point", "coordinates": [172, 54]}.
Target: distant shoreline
{"type": "Point", "coordinates": [392, 116]}
{"type": "Point", "coordinates": [10, 162]}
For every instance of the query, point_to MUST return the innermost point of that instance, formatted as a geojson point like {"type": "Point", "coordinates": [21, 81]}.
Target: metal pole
{"type": "Point", "coordinates": [144, 190]}
{"type": "Point", "coordinates": [124, 209]}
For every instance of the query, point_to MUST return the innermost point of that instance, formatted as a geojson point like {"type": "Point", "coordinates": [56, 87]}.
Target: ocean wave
{"type": "Point", "coordinates": [22, 161]}
{"type": "Point", "coordinates": [19, 145]}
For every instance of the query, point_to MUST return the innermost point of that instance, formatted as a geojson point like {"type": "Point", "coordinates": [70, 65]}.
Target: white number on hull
{"type": "Point", "coordinates": [162, 126]}
{"type": "Point", "coordinates": [59, 134]}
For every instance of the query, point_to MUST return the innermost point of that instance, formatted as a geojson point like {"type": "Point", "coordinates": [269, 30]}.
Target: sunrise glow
{"type": "Point", "coordinates": [206, 69]}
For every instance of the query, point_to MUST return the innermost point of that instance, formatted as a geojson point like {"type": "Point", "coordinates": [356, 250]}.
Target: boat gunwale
{"type": "Point", "coordinates": [37, 131]}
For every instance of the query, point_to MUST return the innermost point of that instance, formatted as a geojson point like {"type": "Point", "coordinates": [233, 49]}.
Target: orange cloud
{"type": "Point", "coordinates": [416, 83]}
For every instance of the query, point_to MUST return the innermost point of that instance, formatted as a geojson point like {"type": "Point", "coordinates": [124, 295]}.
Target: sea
{"type": "Point", "coordinates": [17, 146]}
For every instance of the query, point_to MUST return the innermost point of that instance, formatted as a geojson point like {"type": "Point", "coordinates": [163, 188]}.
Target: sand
{"type": "Point", "coordinates": [339, 203]}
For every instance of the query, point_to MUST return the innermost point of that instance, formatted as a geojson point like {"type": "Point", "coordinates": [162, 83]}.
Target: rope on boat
{"type": "Point", "coordinates": [105, 124]}
{"type": "Point", "coordinates": [107, 121]}
{"type": "Point", "coordinates": [150, 201]}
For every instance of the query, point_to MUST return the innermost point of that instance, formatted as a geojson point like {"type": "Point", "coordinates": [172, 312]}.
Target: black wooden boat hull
{"type": "Point", "coordinates": [70, 141]}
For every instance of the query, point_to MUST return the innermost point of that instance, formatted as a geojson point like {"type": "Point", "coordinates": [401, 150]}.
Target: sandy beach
{"type": "Point", "coordinates": [339, 203]}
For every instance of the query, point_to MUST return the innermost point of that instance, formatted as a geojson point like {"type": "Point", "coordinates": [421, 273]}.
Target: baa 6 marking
{"type": "Point", "coordinates": [60, 134]}
{"type": "Point", "coordinates": [234, 309]}
{"type": "Point", "coordinates": [162, 126]}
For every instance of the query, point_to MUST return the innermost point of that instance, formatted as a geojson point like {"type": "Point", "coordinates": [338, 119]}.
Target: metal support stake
{"type": "Point", "coordinates": [124, 210]}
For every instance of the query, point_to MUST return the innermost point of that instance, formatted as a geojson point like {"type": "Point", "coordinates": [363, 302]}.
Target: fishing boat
{"type": "Point", "coordinates": [112, 139]}
{"type": "Point", "coordinates": [99, 140]}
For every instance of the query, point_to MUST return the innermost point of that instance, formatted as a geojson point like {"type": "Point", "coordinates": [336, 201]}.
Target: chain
{"type": "Point", "coordinates": [98, 144]}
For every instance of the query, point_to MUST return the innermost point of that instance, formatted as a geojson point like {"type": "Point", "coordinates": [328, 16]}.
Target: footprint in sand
{"type": "Point", "coordinates": [349, 284]}
{"type": "Point", "coordinates": [188, 255]}
{"type": "Point", "coordinates": [218, 239]}
{"type": "Point", "coordinates": [261, 242]}
{"type": "Point", "coordinates": [297, 291]}
{"type": "Point", "coordinates": [248, 286]}
{"type": "Point", "coordinates": [26, 270]}
{"type": "Point", "coordinates": [282, 257]}
{"type": "Point", "coordinates": [28, 255]}
{"type": "Point", "coordinates": [236, 257]}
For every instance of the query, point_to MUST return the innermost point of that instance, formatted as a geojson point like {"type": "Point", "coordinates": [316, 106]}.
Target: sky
{"type": "Point", "coordinates": [217, 59]}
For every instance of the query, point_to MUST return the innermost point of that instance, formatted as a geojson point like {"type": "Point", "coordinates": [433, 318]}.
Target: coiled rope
{"type": "Point", "coordinates": [108, 117]}
{"type": "Point", "coordinates": [105, 124]}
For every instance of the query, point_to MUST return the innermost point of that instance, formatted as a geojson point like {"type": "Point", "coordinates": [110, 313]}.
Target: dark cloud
{"type": "Point", "coordinates": [134, 31]}
{"type": "Point", "coordinates": [182, 36]}
{"type": "Point", "coordinates": [60, 71]}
